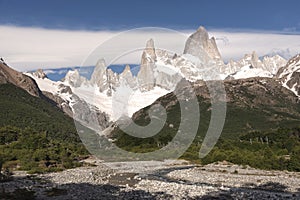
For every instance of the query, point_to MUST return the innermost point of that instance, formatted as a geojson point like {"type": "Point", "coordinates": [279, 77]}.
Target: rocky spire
{"type": "Point", "coordinates": [112, 81]}
{"type": "Point", "coordinates": [99, 76]}
{"type": "Point", "coordinates": [146, 74]}
{"type": "Point", "coordinates": [199, 42]}
{"type": "Point", "coordinates": [127, 77]}
{"type": "Point", "coordinates": [255, 62]}
{"type": "Point", "coordinates": [149, 54]}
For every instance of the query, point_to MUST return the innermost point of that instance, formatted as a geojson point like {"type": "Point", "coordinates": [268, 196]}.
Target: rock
{"type": "Point", "coordinates": [146, 78]}
{"type": "Point", "coordinates": [212, 181]}
{"type": "Point", "coordinates": [74, 79]}
{"type": "Point", "coordinates": [9, 75]}
{"type": "Point", "coordinates": [149, 54]}
{"type": "Point", "coordinates": [273, 63]}
{"type": "Point", "coordinates": [200, 42]}
{"type": "Point", "coordinates": [40, 74]}
{"type": "Point", "coordinates": [89, 115]}
{"type": "Point", "coordinates": [112, 81]}
{"type": "Point", "coordinates": [60, 103]}
{"type": "Point", "coordinates": [99, 76]}
{"type": "Point", "coordinates": [266, 64]}
{"type": "Point", "coordinates": [127, 78]}
{"type": "Point", "coordinates": [289, 75]}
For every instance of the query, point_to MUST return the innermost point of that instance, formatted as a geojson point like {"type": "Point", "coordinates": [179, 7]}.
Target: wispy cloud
{"type": "Point", "coordinates": [32, 48]}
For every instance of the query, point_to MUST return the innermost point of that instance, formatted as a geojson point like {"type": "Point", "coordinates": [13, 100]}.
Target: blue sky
{"type": "Point", "coordinates": [115, 15]}
{"type": "Point", "coordinates": [63, 33]}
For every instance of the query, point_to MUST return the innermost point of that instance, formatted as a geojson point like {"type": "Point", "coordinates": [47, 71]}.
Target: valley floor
{"type": "Point", "coordinates": [155, 180]}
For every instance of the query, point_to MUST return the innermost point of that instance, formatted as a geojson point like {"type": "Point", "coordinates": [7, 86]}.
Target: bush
{"type": "Point", "coordinates": [37, 153]}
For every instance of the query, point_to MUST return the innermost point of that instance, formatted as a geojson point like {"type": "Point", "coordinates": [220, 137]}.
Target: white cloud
{"type": "Point", "coordinates": [32, 48]}
{"type": "Point", "coordinates": [239, 43]}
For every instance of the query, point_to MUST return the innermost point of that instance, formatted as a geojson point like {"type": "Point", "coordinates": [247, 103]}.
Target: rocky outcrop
{"type": "Point", "coordinates": [273, 63]}
{"type": "Point", "coordinates": [289, 75]}
{"type": "Point", "coordinates": [9, 75]}
{"type": "Point", "coordinates": [60, 103]}
{"type": "Point", "coordinates": [80, 110]}
{"type": "Point", "coordinates": [104, 78]}
{"type": "Point", "coordinates": [40, 74]}
{"type": "Point", "coordinates": [74, 79]}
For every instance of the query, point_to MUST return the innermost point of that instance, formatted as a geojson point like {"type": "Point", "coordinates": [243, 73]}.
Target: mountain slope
{"type": "Point", "coordinates": [8, 75]}
{"type": "Point", "coordinates": [253, 104]}
{"type": "Point", "coordinates": [20, 109]}
{"type": "Point", "coordinates": [24, 105]}
{"type": "Point", "coordinates": [35, 135]}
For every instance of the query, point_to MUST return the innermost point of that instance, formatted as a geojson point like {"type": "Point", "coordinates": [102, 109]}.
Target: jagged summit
{"type": "Point", "coordinates": [40, 74]}
{"type": "Point", "coordinates": [149, 54]}
{"type": "Point", "coordinates": [150, 43]}
{"type": "Point", "coordinates": [127, 78]}
{"type": "Point", "coordinates": [251, 65]}
{"type": "Point", "coordinates": [199, 42]}
{"type": "Point", "coordinates": [74, 79]}
{"type": "Point", "coordinates": [201, 60]}
{"type": "Point", "coordinates": [99, 71]}
{"type": "Point", "coordinates": [146, 74]}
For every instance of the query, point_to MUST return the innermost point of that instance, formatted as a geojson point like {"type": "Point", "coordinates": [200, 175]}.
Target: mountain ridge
{"type": "Point", "coordinates": [8, 75]}
{"type": "Point", "coordinates": [161, 71]}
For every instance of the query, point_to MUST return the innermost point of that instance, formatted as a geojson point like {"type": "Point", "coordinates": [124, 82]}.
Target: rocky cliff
{"type": "Point", "coordinates": [9, 75]}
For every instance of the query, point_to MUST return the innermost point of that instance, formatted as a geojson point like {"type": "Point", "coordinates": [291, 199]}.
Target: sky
{"type": "Point", "coordinates": [51, 34]}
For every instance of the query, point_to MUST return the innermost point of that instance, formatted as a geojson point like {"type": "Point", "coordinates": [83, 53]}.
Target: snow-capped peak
{"type": "Point", "coordinates": [267, 66]}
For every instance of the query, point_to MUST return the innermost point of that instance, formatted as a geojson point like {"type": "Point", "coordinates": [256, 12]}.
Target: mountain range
{"type": "Point", "coordinates": [94, 99]}
{"type": "Point", "coordinates": [159, 73]}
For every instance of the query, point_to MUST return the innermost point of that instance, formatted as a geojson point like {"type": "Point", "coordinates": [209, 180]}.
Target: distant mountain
{"type": "Point", "coordinates": [158, 74]}
{"type": "Point", "coordinates": [284, 53]}
{"type": "Point", "coordinates": [252, 66]}
{"type": "Point", "coordinates": [58, 74]}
